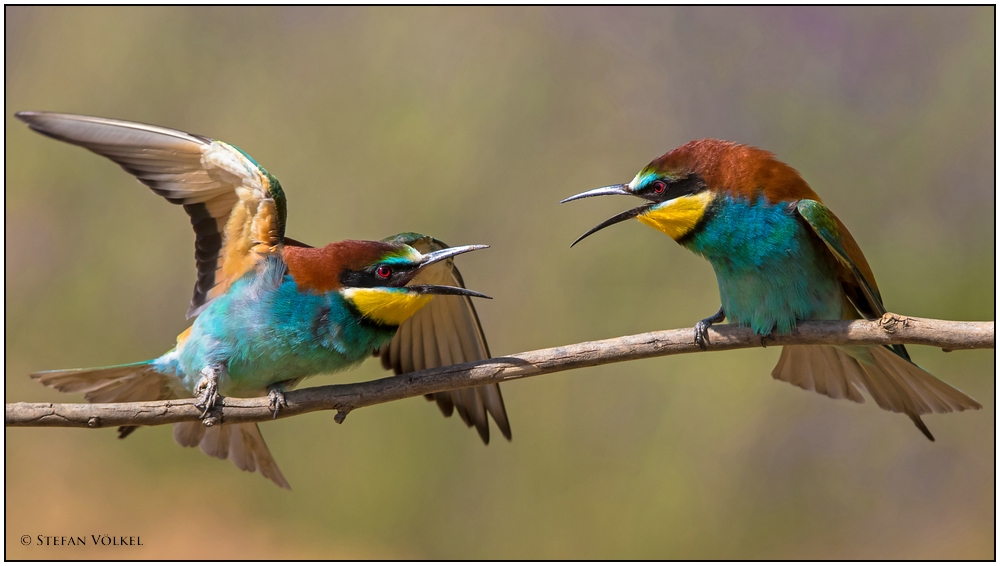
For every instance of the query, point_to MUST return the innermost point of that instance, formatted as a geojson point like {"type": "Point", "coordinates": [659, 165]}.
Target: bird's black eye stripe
{"type": "Point", "coordinates": [381, 275]}
{"type": "Point", "coordinates": [662, 190]}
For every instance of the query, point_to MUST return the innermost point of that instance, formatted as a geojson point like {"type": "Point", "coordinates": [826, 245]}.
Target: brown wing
{"type": "Point", "coordinates": [445, 332]}
{"type": "Point", "coordinates": [236, 207]}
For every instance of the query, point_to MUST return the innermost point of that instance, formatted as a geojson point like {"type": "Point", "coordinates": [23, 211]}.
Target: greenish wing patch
{"type": "Point", "coordinates": [278, 194]}
{"type": "Point", "coordinates": [828, 227]}
{"type": "Point", "coordinates": [412, 238]}
{"type": "Point", "coordinates": [839, 241]}
{"type": "Point", "coordinates": [247, 155]}
{"type": "Point", "coordinates": [274, 189]}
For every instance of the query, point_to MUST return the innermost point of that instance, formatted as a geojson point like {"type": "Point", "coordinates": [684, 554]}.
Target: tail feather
{"type": "Point", "coordinates": [241, 443]}
{"type": "Point", "coordinates": [112, 384]}
{"type": "Point", "coordinates": [822, 369]}
{"type": "Point", "coordinates": [894, 383]}
{"type": "Point", "coordinates": [932, 394]}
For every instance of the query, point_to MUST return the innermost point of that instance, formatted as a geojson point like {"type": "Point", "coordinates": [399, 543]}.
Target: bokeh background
{"type": "Point", "coordinates": [471, 124]}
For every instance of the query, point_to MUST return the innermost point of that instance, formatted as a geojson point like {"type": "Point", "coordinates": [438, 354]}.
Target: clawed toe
{"type": "Point", "coordinates": [207, 400]}
{"type": "Point", "coordinates": [277, 398]}
{"type": "Point", "coordinates": [207, 390]}
{"type": "Point", "coordinates": [702, 326]}
{"type": "Point", "coordinates": [700, 334]}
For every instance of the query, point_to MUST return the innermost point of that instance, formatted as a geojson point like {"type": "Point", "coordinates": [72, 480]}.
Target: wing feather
{"type": "Point", "coordinates": [855, 274]}
{"type": "Point", "coordinates": [237, 208]}
{"type": "Point", "coordinates": [446, 331]}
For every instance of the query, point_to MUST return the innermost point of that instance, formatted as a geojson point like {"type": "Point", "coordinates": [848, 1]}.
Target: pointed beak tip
{"type": "Point", "coordinates": [602, 191]}
{"type": "Point", "coordinates": [436, 256]}
{"type": "Point", "coordinates": [446, 290]}
{"type": "Point", "coordinates": [470, 248]}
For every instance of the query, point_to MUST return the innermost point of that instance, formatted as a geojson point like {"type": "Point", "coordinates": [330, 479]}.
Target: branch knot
{"type": "Point", "coordinates": [891, 322]}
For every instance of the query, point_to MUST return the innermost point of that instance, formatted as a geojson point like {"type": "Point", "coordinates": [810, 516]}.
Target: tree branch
{"type": "Point", "coordinates": [890, 329]}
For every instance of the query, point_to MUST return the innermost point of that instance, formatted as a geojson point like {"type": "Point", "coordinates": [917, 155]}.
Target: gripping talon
{"type": "Point", "coordinates": [700, 337]}
{"type": "Point", "coordinates": [702, 326]}
{"type": "Point", "coordinates": [207, 390]}
{"type": "Point", "coordinates": [277, 398]}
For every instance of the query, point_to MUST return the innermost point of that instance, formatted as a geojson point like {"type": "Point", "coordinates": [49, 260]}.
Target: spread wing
{"type": "Point", "coordinates": [236, 207]}
{"type": "Point", "coordinates": [855, 275]}
{"type": "Point", "coordinates": [446, 332]}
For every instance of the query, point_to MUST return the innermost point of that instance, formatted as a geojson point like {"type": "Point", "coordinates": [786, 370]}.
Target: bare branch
{"type": "Point", "coordinates": [890, 329]}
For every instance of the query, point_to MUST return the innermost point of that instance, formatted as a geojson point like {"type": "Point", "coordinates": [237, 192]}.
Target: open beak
{"type": "Point", "coordinates": [615, 220]}
{"type": "Point", "coordinates": [441, 255]}
{"type": "Point", "coordinates": [610, 190]}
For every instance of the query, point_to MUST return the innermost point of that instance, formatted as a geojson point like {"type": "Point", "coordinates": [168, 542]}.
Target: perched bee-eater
{"type": "Point", "coordinates": [272, 311]}
{"type": "Point", "coordinates": [780, 256]}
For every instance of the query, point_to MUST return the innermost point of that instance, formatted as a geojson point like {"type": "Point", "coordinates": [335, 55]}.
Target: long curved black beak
{"type": "Point", "coordinates": [609, 190]}
{"type": "Point", "coordinates": [441, 255]}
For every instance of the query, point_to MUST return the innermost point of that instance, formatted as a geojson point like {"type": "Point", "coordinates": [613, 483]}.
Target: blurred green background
{"type": "Point", "coordinates": [471, 124]}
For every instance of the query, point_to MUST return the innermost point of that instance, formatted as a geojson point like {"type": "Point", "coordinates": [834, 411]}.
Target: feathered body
{"type": "Point", "coordinates": [780, 256]}
{"type": "Point", "coordinates": [270, 310]}
{"type": "Point", "coordinates": [770, 272]}
{"type": "Point", "coordinates": [268, 330]}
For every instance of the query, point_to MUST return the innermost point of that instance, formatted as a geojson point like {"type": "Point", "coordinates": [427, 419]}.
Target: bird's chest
{"type": "Point", "coordinates": [277, 336]}
{"type": "Point", "coordinates": [771, 271]}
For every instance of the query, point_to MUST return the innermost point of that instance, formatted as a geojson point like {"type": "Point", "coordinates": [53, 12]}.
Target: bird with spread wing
{"type": "Point", "coordinates": [270, 311]}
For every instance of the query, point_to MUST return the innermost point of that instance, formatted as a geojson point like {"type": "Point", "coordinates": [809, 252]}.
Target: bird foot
{"type": "Point", "coordinates": [701, 333]}
{"type": "Point", "coordinates": [277, 398]}
{"type": "Point", "coordinates": [701, 328]}
{"type": "Point", "coordinates": [207, 389]}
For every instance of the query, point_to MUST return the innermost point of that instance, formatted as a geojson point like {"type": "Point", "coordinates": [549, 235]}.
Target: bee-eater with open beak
{"type": "Point", "coordinates": [780, 256]}
{"type": "Point", "coordinates": [272, 311]}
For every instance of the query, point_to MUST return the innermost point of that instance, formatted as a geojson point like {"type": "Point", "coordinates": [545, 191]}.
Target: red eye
{"type": "Point", "coordinates": [659, 187]}
{"type": "Point", "coordinates": [383, 272]}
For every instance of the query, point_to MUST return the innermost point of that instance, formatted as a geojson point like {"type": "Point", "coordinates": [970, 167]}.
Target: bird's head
{"type": "Point", "coordinates": [674, 188]}
{"type": "Point", "coordinates": [373, 277]}
{"type": "Point", "coordinates": [680, 185]}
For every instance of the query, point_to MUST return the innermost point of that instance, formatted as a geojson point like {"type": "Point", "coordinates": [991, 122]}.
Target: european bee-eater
{"type": "Point", "coordinates": [270, 310]}
{"type": "Point", "coordinates": [780, 256]}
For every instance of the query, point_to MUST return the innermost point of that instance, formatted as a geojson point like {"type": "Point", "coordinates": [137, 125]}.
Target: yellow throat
{"type": "Point", "coordinates": [385, 305]}
{"type": "Point", "coordinates": [676, 218]}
